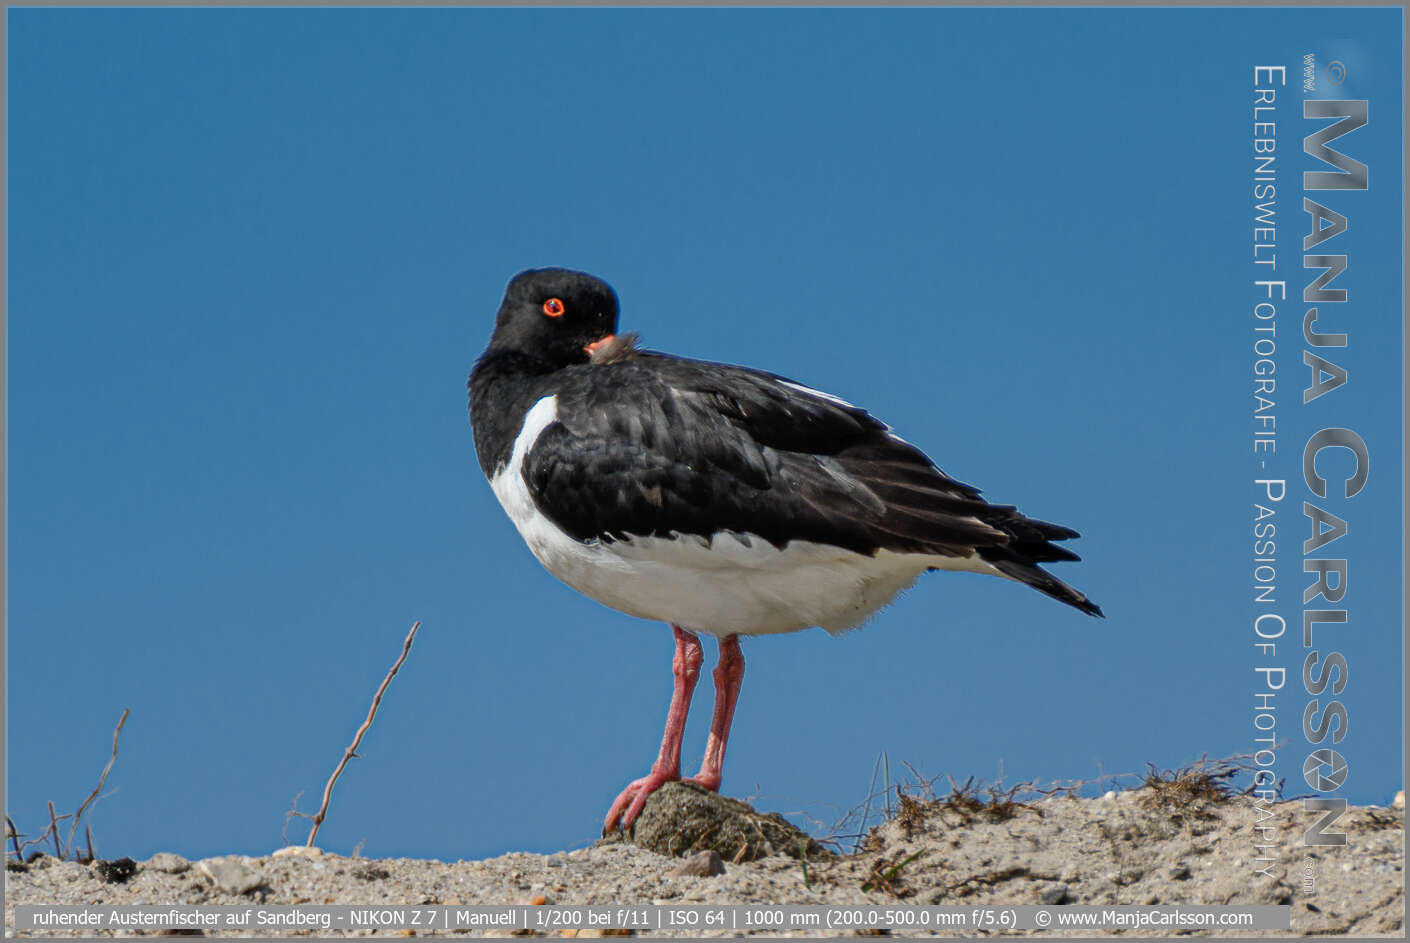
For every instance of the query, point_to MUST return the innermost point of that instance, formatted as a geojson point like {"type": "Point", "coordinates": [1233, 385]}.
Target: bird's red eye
{"type": "Point", "coordinates": [553, 307]}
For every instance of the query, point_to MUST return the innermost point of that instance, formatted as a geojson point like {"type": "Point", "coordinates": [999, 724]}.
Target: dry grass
{"type": "Point", "coordinates": [1187, 795]}
{"type": "Point", "coordinates": [1184, 794]}
{"type": "Point", "coordinates": [66, 848]}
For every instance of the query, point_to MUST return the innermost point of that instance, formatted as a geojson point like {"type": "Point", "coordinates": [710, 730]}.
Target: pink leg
{"type": "Point", "coordinates": [667, 768]}
{"type": "Point", "coordinates": [729, 675]}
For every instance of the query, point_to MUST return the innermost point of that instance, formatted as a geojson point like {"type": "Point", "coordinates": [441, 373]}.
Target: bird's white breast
{"type": "Point", "coordinates": [733, 584]}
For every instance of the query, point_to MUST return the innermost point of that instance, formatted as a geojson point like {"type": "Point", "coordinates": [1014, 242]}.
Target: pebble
{"type": "Point", "coordinates": [1054, 894]}
{"type": "Point", "coordinates": [1399, 801]}
{"type": "Point", "coordinates": [230, 875]}
{"type": "Point", "coordinates": [703, 864]}
{"type": "Point", "coordinates": [299, 851]}
{"type": "Point", "coordinates": [167, 862]}
{"type": "Point", "coordinates": [1180, 872]}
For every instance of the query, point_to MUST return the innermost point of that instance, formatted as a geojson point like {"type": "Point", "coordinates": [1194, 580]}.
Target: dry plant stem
{"type": "Point", "coordinates": [866, 809]}
{"type": "Point", "coordinates": [54, 829]}
{"type": "Point", "coordinates": [886, 781]}
{"type": "Point", "coordinates": [293, 811]}
{"type": "Point", "coordinates": [14, 837]}
{"type": "Point", "coordinates": [103, 778]}
{"type": "Point", "coordinates": [357, 737]}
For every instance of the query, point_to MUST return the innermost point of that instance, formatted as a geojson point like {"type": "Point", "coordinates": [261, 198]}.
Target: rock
{"type": "Point", "coordinates": [297, 851]}
{"type": "Point", "coordinates": [702, 864]}
{"type": "Point", "coordinates": [1399, 801]}
{"type": "Point", "coordinates": [1054, 894]}
{"type": "Point", "coordinates": [1179, 872]}
{"type": "Point", "coordinates": [682, 818]}
{"type": "Point", "coordinates": [167, 862]}
{"type": "Point", "coordinates": [231, 875]}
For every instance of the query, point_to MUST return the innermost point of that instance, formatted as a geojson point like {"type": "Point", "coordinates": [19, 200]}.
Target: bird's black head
{"type": "Point", "coordinates": [555, 315]}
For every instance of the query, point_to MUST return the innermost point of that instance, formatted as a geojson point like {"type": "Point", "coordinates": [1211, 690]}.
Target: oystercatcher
{"type": "Point", "coordinates": [719, 499]}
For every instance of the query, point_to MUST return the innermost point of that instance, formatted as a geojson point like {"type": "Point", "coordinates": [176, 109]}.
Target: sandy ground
{"type": "Point", "coordinates": [1162, 844]}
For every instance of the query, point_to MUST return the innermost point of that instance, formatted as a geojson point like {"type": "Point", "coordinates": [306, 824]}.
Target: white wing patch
{"type": "Point", "coordinates": [508, 483]}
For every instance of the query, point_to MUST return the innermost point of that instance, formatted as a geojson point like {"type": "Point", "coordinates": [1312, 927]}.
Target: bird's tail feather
{"type": "Point", "coordinates": [1014, 566]}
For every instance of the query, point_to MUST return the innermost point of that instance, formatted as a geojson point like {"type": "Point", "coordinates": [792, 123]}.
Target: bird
{"type": "Point", "coordinates": [722, 500]}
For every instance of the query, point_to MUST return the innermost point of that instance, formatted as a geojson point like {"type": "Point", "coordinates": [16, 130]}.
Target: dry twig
{"type": "Point", "coordinates": [102, 778]}
{"type": "Point", "coordinates": [54, 830]}
{"type": "Point", "coordinates": [357, 737]}
{"type": "Point", "coordinates": [14, 837]}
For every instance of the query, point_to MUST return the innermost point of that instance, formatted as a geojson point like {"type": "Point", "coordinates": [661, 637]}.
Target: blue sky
{"type": "Point", "coordinates": [254, 253]}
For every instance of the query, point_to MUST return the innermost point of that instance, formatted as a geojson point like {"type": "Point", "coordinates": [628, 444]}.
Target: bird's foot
{"type": "Point", "coordinates": [632, 800]}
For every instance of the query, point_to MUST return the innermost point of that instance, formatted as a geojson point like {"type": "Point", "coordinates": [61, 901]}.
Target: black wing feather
{"type": "Point", "coordinates": [655, 446]}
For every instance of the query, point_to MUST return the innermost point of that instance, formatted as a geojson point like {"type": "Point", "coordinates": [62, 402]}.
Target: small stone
{"type": "Point", "coordinates": [299, 851]}
{"type": "Point", "coordinates": [1108, 795]}
{"type": "Point", "coordinates": [702, 864]}
{"type": "Point", "coordinates": [1399, 801]}
{"type": "Point", "coordinates": [1054, 894]}
{"type": "Point", "coordinates": [167, 862]}
{"type": "Point", "coordinates": [230, 875]}
{"type": "Point", "coordinates": [1180, 872]}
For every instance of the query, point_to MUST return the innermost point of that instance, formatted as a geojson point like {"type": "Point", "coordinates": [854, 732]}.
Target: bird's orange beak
{"type": "Point", "coordinates": [591, 348]}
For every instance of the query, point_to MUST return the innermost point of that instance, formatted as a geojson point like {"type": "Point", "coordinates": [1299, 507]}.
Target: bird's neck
{"type": "Point", "coordinates": [503, 384]}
